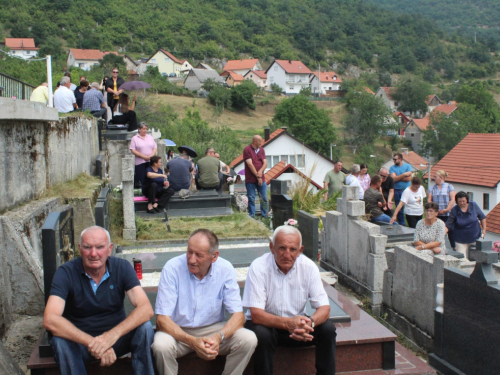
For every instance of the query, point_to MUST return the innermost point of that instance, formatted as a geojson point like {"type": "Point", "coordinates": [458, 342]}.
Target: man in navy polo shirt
{"type": "Point", "coordinates": [85, 310]}
{"type": "Point", "coordinates": [255, 165]}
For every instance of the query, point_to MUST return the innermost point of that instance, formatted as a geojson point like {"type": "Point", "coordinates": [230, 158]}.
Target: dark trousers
{"type": "Point", "coordinates": [217, 187]}
{"type": "Point", "coordinates": [111, 101]}
{"type": "Point", "coordinates": [129, 118]}
{"type": "Point", "coordinates": [413, 220]}
{"type": "Point", "coordinates": [401, 213]}
{"type": "Point", "coordinates": [164, 195]}
{"type": "Point", "coordinates": [270, 338]}
{"type": "Point", "coordinates": [450, 232]}
{"type": "Point", "coordinates": [103, 112]}
{"type": "Point", "coordinates": [140, 174]}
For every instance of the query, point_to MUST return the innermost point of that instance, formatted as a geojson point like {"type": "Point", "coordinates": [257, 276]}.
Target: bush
{"type": "Point", "coordinates": [276, 89]}
{"type": "Point", "coordinates": [242, 96]}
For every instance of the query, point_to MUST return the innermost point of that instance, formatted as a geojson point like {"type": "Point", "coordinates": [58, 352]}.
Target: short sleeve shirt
{"type": "Point", "coordinates": [94, 313]}
{"type": "Point", "coordinates": [401, 185]}
{"type": "Point", "coordinates": [159, 180]}
{"type": "Point", "coordinates": [92, 100]}
{"type": "Point", "coordinates": [179, 176]}
{"type": "Point", "coordinates": [372, 197]}
{"type": "Point", "coordinates": [285, 295]}
{"type": "Point", "coordinates": [258, 157]}
{"type": "Point", "coordinates": [414, 202]}
{"type": "Point", "coordinates": [144, 145]}
{"type": "Point", "coordinates": [64, 99]}
{"type": "Point", "coordinates": [465, 225]}
{"type": "Point", "coordinates": [430, 233]}
{"type": "Point", "coordinates": [353, 181]}
{"type": "Point", "coordinates": [387, 185]}
{"type": "Point", "coordinates": [442, 196]}
{"type": "Point", "coordinates": [208, 168]}
{"type": "Point", "coordinates": [191, 302]}
{"type": "Point", "coordinates": [334, 181]}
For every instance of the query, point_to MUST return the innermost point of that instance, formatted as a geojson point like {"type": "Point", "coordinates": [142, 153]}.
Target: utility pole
{"type": "Point", "coordinates": [49, 80]}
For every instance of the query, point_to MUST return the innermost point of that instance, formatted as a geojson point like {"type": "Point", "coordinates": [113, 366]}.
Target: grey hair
{"type": "Point", "coordinates": [210, 236]}
{"type": "Point", "coordinates": [91, 229]}
{"type": "Point", "coordinates": [94, 85]}
{"type": "Point", "coordinates": [64, 81]}
{"type": "Point", "coordinates": [286, 229]}
{"type": "Point", "coordinates": [141, 125]}
{"type": "Point", "coordinates": [355, 168]}
{"type": "Point", "coordinates": [383, 169]}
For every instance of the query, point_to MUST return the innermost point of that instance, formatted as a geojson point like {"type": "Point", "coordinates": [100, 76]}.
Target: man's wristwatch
{"type": "Point", "coordinates": [312, 321]}
{"type": "Point", "coordinates": [423, 247]}
{"type": "Point", "coordinates": [222, 336]}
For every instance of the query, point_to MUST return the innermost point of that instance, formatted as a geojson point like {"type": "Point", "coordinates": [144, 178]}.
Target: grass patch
{"type": "Point", "coordinates": [83, 186]}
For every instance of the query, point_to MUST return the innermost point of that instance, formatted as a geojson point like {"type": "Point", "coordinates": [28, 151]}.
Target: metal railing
{"type": "Point", "coordinates": [13, 87]}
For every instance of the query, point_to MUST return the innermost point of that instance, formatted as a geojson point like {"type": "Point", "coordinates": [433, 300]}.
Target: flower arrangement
{"type": "Point", "coordinates": [291, 222]}
{"type": "Point", "coordinates": [496, 246]}
{"type": "Point", "coordinates": [118, 189]}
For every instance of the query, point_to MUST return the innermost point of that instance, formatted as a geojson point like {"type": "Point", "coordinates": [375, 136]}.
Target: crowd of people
{"type": "Point", "coordinates": [396, 197]}
{"type": "Point", "coordinates": [94, 97]}
{"type": "Point", "coordinates": [86, 316]}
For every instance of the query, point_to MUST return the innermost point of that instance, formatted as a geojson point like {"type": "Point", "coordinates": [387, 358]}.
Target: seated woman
{"type": "Point", "coordinates": [430, 232]}
{"type": "Point", "coordinates": [80, 92]}
{"type": "Point", "coordinates": [124, 114]}
{"type": "Point", "coordinates": [156, 186]}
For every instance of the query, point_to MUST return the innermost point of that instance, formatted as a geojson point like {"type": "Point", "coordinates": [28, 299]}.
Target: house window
{"type": "Point", "coordinates": [269, 160]}
{"type": "Point", "coordinates": [291, 87]}
{"type": "Point", "coordinates": [396, 104]}
{"type": "Point", "coordinates": [301, 161]}
{"type": "Point", "coordinates": [264, 82]}
{"type": "Point", "coordinates": [470, 195]}
{"type": "Point", "coordinates": [276, 160]}
{"type": "Point", "coordinates": [292, 160]}
{"type": "Point", "coordinates": [291, 77]}
{"type": "Point", "coordinates": [166, 59]}
{"type": "Point", "coordinates": [153, 61]}
{"type": "Point", "coordinates": [284, 158]}
{"type": "Point", "coordinates": [412, 134]}
{"type": "Point", "coordinates": [272, 79]}
{"type": "Point", "coordinates": [486, 201]}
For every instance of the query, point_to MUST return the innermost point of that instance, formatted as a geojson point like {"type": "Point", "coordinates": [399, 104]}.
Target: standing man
{"type": "Point", "coordinates": [112, 85]}
{"type": "Point", "coordinates": [353, 180]}
{"type": "Point", "coordinates": [193, 291]}
{"type": "Point", "coordinates": [85, 310]}
{"type": "Point", "coordinates": [40, 94]}
{"type": "Point", "coordinates": [64, 98]}
{"type": "Point", "coordinates": [208, 171]}
{"type": "Point", "coordinates": [334, 180]}
{"type": "Point", "coordinates": [93, 100]}
{"type": "Point", "coordinates": [387, 190]}
{"type": "Point", "coordinates": [255, 165]}
{"type": "Point", "coordinates": [401, 174]}
{"type": "Point", "coordinates": [277, 288]}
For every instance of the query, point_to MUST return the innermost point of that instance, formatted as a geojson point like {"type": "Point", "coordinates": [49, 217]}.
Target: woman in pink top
{"type": "Point", "coordinates": [143, 146]}
{"type": "Point", "coordinates": [364, 177]}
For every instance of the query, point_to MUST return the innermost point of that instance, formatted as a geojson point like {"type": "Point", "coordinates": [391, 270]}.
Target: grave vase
{"type": "Point", "coordinates": [231, 189]}
{"type": "Point", "coordinates": [440, 298]}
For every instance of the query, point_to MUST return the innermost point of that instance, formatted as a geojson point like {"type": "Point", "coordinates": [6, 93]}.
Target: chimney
{"type": "Point", "coordinates": [284, 128]}
{"type": "Point", "coordinates": [289, 61]}
{"type": "Point", "coordinates": [267, 134]}
{"type": "Point", "coordinates": [404, 150]}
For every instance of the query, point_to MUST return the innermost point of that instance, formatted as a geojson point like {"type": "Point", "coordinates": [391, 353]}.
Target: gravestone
{"type": "Point", "coordinates": [98, 166]}
{"type": "Point", "coordinates": [308, 226]}
{"type": "Point", "coordinates": [466, 334]}
{"type": "Point", "coordinates": [101, 210]}
{"type": "Point", "coordinates": [58, 244]}
{"type": "Point", "coordinates": [396, 233]}
{"type": "Point", "coordinates": [281, 203]}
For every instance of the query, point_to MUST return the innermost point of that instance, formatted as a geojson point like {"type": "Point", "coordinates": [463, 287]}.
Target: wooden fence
{"type": "Point", "coordinates": [13, 87]}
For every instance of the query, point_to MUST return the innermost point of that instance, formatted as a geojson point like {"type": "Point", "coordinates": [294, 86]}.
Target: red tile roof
{"type": "Point", "coordinates": [430, 97]}
{"type": "Point", "coordinates": [446, 108]}
{"type": "Point", "coordinates": [259, 73]}
{"type": "Point", "coordinates": [415, 159]}
{"type": "Point", "coordinates": [474, 161]}
{"type": "Point", "coordinates": [493, 219]}
{"type": "Point", "coordinates": [422, 123]}
{"type": "Point", "coordinates": [281, 168]}
{"type": "Point", "coordinates": [401, 114]}
{"type": "Point", "coordinates": [235, 76]}
{"type": "Point", "coordinates": [240, 64]}
{"type": "Point", "coordinates": [20, 43]}
{"type": "Point", "coordinates": [368, 90]}
{"type": "Point", "coordinates": [175, 59]}
{"type": "Point", "coordinates": [292, 67]}
{"type": "Point", "coordinates": [389, 91]}
{"type": "Point", "coordinates": [273, 135]}
{"type": "Point", "coordinates": [328, 77]}
{"type": "Point", "coordinates": [89, 54]}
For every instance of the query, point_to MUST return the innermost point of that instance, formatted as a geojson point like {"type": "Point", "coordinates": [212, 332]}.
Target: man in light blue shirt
{"type": "Point", "coordinates": [193, 291]}
{"type": "Point", "coordinates": [401, 173]}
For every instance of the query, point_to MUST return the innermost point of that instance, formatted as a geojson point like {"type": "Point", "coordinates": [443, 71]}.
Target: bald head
{"type": "Point", "coordinates": [256, 141]}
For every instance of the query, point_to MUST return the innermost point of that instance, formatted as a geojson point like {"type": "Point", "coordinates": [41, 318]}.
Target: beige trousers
{"type": "Point", "coordinates": [463, 248]}
{"type": "Point", "coordinates": [238, 348]}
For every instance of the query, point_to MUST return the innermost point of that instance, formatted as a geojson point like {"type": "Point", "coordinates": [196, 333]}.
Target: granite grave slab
{"type": "Point", "coordinates": [308, 226]}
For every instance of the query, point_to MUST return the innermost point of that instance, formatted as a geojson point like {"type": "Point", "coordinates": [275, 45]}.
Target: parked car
{"type": "Point", "coordinates": [172, 75]}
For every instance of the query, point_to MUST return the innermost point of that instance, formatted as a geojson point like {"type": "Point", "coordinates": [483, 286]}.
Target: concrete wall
{"type": "Point", "coordinates": [37, 154]}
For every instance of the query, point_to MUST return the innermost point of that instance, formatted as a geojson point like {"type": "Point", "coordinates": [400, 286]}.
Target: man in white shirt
{"type": "Point", "coordinates": [224, 168]}
{"type": "Point", "coordinates": [277, 288]}
{"type": "Point", "coordinates": [352, 180]}
{"type": "Point", "coordinates": [64, 98]}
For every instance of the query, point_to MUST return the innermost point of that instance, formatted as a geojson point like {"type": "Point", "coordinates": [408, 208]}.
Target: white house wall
{"type": "Point", "coordinates": [276, 74]}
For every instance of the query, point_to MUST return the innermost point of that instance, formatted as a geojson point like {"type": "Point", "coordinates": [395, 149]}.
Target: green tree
{"type": "Point", "coordinates": [220, 98]}
{"type": "Point", "coordinates": [275, 88]}
{"type": "Point", "coordinates": [384, 79]}
{"type": "Point", "coordinates": [210, 84]}
{"type": "Point", "coordinates": [412, 94]}
{"type": "Point", "coordinates": [111, 61]}
{"type": "Point", "coordinates": [242, 96]}
{"type": "Point", "coordinates": [306, 121]}
{"type": "Point", "coordinates": [367, 120]}
{"type": "Point", "coordinates": [306, 91]}
{"type": "Point", "coordinates": [478, 95]}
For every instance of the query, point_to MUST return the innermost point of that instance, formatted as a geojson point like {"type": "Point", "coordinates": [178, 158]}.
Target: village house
{"type": "Point", "coordinates": [130, 63]}
{"type": "Point", "coordinates": [386, 94]}
{"type": "Point", "coordinates": [291, 76]}
{"type": "Point", "coordinates": [403, 121]}
{"type": "Point", "coordinates": [324, 82]}
{"type": "Point", "coordinates": [167, 64]}
{"type": "Point", "coordinates": [242, 66]}
{"type": "Point", "coordinates": [203, 66]}
{"type": "Point", "coordinates": [284, 171]}
{"type": "Point", "coordinates": [416, 162]}
{"type": "Point", "coordinates": [85, 58]}
{"type": "Point", "coordinates": [185, 67]}
{"type": "Point", "coordinates": [259, 77]}
{"type": "Point", "coordinates": [432, 102]}
{"type": "Point", "coordinates": [493, 224]}
{"type": "Point", "coordinates": [473, 166]}
{"type": "Point", "coordinates": [22, 47]}
{"type": "Point", "coordinates": [232, 79]}
{"type": "Point", "coordinates": [196, 78]}
{"type": "Point", "coordinates": [282, 146]}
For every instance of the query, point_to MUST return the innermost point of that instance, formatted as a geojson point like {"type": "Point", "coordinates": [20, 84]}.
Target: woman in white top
{"type": "Point", "coordinates": [413, 200]}
{"type": "Point", "coordinates": [124, 114]}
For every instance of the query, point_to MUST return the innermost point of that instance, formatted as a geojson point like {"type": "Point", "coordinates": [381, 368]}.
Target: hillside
{"type": "Point", "coordinates": [465, 16]}
{"type": "Point", "coordinates": [316, 31]}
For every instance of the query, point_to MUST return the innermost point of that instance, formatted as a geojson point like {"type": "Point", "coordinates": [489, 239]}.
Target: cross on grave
{"type": "Point", "coordinates": [484, 257]}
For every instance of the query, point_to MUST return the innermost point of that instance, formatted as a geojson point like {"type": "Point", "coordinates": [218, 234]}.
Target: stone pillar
{"type": "Point", "coordinates": [128, 168]}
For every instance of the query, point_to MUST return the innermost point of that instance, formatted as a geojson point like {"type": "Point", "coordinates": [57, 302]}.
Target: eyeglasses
{"type": "Point", "coordinates": [431, 210]}
{"type": "Point", "coordinates": [383, 176]}
{"type": "Point", "coordinates": [116, 72]}
{"type": "Point", "coordinates": [395, 159]}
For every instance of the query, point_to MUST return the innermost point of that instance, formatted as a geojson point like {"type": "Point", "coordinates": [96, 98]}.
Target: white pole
{"type": "Point", "coordinates": [49, 80]}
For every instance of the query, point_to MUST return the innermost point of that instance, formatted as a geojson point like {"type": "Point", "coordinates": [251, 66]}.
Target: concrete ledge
{"type": "Point", "coordinates": [15, 109]}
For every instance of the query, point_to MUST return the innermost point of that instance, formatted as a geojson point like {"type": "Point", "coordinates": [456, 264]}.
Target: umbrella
{"type": "Point", "coordinates": [242, 172]}
{"type": "Point", "coordinates": [189, 150]}
{"type": "Point", "coordinates": [168, 142]}
{"type": "Point", "coordinates": [134, 85]}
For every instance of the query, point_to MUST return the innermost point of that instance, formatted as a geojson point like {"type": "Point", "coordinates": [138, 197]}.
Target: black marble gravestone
{"type": "Point", "coordinates": [101, 210]}
{"type": "Point", "coordinates": [308, 226]}
{"type": "Point", "coordinates": [466, 333]}
{"type": "Point", "coordinates": [281, 203]}
{"type": "Point", "coordinates": [98, 166]}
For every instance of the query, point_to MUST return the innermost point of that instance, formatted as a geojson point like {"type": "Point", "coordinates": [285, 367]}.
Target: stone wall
{"type": "Point", "coordinates": [37, 154]}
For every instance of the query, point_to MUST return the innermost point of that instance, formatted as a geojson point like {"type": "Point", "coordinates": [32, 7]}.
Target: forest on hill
{"type": "Point", "coordinates": [344, 32]}
{"type": "Point", "coordinates": [464, 17]}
